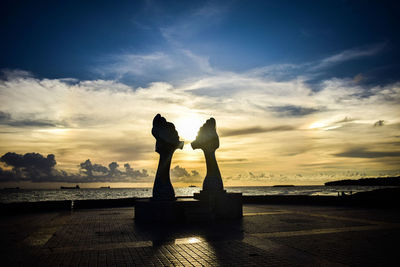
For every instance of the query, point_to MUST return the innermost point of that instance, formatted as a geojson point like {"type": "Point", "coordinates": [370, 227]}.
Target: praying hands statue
{"type": "Point", "coordinates": [167, 141]}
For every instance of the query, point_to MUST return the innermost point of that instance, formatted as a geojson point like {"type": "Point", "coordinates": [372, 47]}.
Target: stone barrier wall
{"type": "Point", "coordinates": [29, 207]}
{"type": "Point", "coordinates": [382, 198]}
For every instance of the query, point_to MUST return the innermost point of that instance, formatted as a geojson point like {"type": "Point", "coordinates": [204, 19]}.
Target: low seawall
{"type": "Point", "coordinates": [381, 198]}
{"type": "Point", "coordinates": [103, 203]}
{"type": "Point", "coordinates": [292, 200]}
{"type": "Point", "coordinates": [30, 207]}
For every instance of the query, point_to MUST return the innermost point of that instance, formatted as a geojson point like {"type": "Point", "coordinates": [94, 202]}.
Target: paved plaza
{"type": "Point", "coordinates": [268, 235]}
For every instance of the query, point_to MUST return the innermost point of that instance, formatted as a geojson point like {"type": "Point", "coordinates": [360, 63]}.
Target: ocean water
{"type": "Point", "coordinates": [32, 195]}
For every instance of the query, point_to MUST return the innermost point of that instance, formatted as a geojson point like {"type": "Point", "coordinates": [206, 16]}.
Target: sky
{"type": "Point", "coordinates": [302, 93]}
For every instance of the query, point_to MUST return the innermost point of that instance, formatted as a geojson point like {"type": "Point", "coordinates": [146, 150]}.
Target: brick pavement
{"type": "Point", "coordinates": [268, 235]}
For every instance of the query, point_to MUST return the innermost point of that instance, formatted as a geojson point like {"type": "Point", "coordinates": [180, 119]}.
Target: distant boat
{"type": "Point", "coordinates": [283, 185]}
{"type": "Point", "coordinates": [70, 187]}
{"type": "Point", "coordinates": [105, 187]}
{"type": "Point", "coordinates": [192, 185]}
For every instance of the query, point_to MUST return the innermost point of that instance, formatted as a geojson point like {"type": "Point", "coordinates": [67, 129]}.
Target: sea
{"type": "Point", "coordinates": [34, 195]}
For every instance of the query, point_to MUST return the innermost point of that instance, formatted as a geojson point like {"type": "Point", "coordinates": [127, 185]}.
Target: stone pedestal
{"type": "Point", "coordinates": [222, 204]}
{"type": "Point", "coordinates": [179, 211]}
{"type": "Point", "coordinates": [205, 207]}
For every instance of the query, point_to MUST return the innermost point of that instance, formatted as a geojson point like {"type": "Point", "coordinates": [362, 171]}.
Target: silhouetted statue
{"type": "Point", "coordinates": [207, 140]}
{"type": "Point", "coordinates": [166, 144]}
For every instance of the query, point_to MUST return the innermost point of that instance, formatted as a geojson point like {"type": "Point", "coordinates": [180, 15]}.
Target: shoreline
{"type": "Point", "coordinates": [383, 198]}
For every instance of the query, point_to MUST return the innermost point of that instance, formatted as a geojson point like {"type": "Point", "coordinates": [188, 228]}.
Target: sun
{"type": "Point", "coordinates": [317, 124]}
{"type": "Point", "coordinates": [188, 127]}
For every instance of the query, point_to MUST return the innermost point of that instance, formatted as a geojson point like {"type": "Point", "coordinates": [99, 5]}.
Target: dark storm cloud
{"type": "Point", "coordinates": [4, 116]}
{"type": "Point", "coordinates": [179, 173]}
{"type": "Point", "coordinates": [113, 167]}
{"type": "Point", "coordinates": [294, 111]}
{"type": "Point", "coordinates": [134, 173]}
{"type": "Point", "coordinates": [31, 166]}
{"type": "Point", "coordinates": [7, 176]}
{"type": "Point", "coordinates": [35, 167]}
{"type": "Point", "coordinates": [365, 153]}
{"type": "Point", "coordinates": [97, 172]}
{"type": "Point", "coordinates": [30, 161]}
{"type": "Point", "coordinates": [253, 130]}
{"type": "Point", "coordinates": [6, 119]}
{"type": "Point", "coordinates": [91, 170]}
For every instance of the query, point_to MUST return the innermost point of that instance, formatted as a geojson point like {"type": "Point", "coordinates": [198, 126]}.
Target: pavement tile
{"type": "Point", "coordinates": [268, 235]}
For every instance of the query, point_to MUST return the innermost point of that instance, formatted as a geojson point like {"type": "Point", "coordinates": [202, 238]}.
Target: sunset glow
{"type": "Point", "coordinates": [188, 127]}
{"type": "Point", "coordinates": [300, 95]}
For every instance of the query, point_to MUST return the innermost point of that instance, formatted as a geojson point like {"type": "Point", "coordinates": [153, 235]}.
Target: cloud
{"type": "Point", "coordinates": [194, 22]}
{"type": "Point", "coordinates": [254, 130]}
{"type": "Point", "coordinates": [181, 174]}
{"type": "Point", "coordinates": [232, 160]}
{"type": "Point", "coordinates": [360, 152]}
{"type": "Point", "coordinates": [113, 169]}
{"type": "Point", "coordinates": [97, 172]}
{"type": "Point", "coordinates": [109, 121]}
{"type": "Point", "coordinates": [11, 74]}
{"type": "Point", "coordinates": [32, 123]}
{"type": "Point", "coordinates": [35, 167]}
{"type": "Point", "coordinates": [91, 170]}
{"type": "Point", "coordinates": [141, 69]}
{"type": "Point", "coordinates": [379, 123]}
{"type": "Point", "coordinates": [125, 148]}
{"type": "Point", "coordinates": [294, 111]}
{"type": "Point", "coordinates": [346, 120]}
{"type": "Point", "coordinates": [350, 54]}
{"type": "Point", "coordinates": [4, 116]}
{"type": "Point", "coordinates": [315, 72]}
{"type": "Point", "coordinates": [7, 176]}
{"type": "Point", "coordinates": [30, 166]}
{"type": "Point", "coordinates": [251, 176]}
{"type": "Point", "coordinates": [134, 173]}
{"type": "Point", "coordinates": [173, 61]}
{"type": "Point", "coordinates": [6, 119]}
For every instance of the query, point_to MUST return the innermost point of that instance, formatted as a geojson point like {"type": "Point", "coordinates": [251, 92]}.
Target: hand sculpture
{"type": "Point", "coordinates": [166, 144]}
{"type": "Point", "coordinates": [207, 140]}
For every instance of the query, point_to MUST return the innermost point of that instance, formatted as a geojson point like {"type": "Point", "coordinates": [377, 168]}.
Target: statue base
{"type": "Point", "coordinates": [223, 205]}
{"type": "Point", "coordinates": [206, 206]}
{"type": "Point", "coordinates": [179, 211]}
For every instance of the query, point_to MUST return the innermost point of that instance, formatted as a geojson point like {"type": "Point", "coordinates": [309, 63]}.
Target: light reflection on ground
{"type": "Point", "coordinates": [188, 240]}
